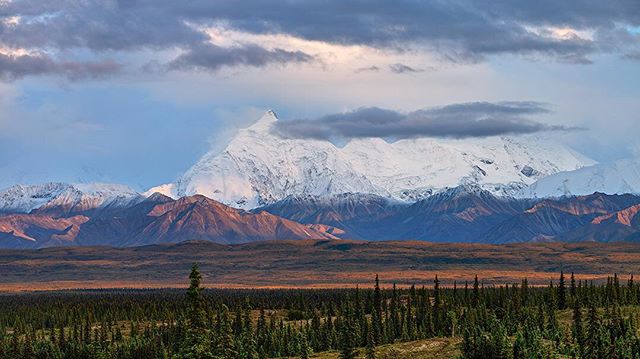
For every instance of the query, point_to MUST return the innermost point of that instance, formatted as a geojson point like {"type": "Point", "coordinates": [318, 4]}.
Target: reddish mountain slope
{"type": "Point", "coordinates": [29, 231]}
{"type": "Point", "coordinates": [551, 219]}
{"type": "Point", "coordinates": [623, 225]}
{"type": "Point", "coordinates": [158, 219]}
{"type": "Point", "coordinates": [198, 217]}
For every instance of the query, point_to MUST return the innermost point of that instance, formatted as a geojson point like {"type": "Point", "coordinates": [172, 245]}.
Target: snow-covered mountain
{"type": "Point", "coordinates": [619, 177]}
{"type": "Point", "coordinates": [258, 167]}
{"type": "Point", "coordinates": [65, 198]}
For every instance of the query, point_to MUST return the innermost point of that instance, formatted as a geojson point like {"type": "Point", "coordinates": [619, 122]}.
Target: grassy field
{"type": "Point", "coordinates": [420, 349]}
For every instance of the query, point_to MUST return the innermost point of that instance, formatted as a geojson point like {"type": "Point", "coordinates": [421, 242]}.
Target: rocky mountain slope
{"type": "Point", "coordinates": [258, 167]}
{"type": "Point", "coordinates": [360, 216]}
{"type": "Point", "coordinates": [157, 219]}
{"type": "Point", "coordinates": [551, 219]}
{"type": "Point", "coordinates": [464, 214]}
{"type": "Point", "coordinates": [623, 225]}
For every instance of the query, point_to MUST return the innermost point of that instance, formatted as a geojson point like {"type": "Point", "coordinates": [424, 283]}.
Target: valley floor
{"type": "Point", "coordinates": [310, 264]}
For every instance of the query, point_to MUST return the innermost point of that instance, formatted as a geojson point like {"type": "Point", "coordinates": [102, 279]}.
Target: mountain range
{"type": "Point", "coordinates": [462, 214]}
{"type": "Point", "coordinates": [153, 220]}
{"type": "Point", "coordinates": [263, 186]}
{"type": "Point", "coordinates": [258, 167]}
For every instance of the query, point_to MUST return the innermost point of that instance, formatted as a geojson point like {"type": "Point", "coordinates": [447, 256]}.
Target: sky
{"type": "Point", "coordinates": [134, 91]}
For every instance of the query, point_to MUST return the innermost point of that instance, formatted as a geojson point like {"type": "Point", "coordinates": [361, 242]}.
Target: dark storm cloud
{"type": "Point", "coordinates": [460, 30]}
{"type": "Point", "coordinates": [16, 67]}
{"type": "Point", "coordinates": [211, 57]}
{"type": "Point", "coordinates": [477, 119]}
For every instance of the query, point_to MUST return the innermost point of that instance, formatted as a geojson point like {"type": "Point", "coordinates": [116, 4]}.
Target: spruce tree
{"type": "Point", "coordinates": [437, 316]}
{"type": "Point", "coordinates": [572, 289]}
{"type": "Point", "coordinates": [62, 338]}
{"type": "Point", "coordinates": [27, 348]}
{"type": "Point", "coordinates": [577, 328]}
{"type": "Point", "coordinates": [346, 341]}
{"type": "Point", "coordinates": [370, 352]}
{"type": "Point", "coordinates": [562, 293]}
{"type": "Point", "coordinates": [377, 312]}
{"type": "Point", "coordinates": [592, 348]}
{"type": "Point", "coordinates": [476, 292]}
{"type": "Point", "coordinates": [225, 341]}
{"type": "Point", "coordinates": [304, 347]}
{"type": "Point", "coordinates": [197, 342]}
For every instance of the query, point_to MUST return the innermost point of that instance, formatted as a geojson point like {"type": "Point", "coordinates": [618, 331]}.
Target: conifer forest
{"type": "Point", "coordinates": [567, 318]}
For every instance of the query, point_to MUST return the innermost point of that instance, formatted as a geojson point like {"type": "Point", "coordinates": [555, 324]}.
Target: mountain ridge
{"type": "Point", "coordinates": [460, 215]}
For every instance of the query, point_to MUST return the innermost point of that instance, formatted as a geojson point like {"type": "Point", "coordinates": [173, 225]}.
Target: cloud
{"type": "Point", "coordinates": [14, 67]}
{"type": "Point", "coordinates": [210, 57]}
{"type": "Point", "coordinates": [476, 119]}
{"type": "Point", "coordinates": [459, 30]}
{"type": "Point", "coordinates": [632, 56]}
{"type": "Point", "coordinates": [123, 27]}
{"type": "Point", "coordinates": [402, 68]}
{"type": "Point", "coordinates": [367, 69]}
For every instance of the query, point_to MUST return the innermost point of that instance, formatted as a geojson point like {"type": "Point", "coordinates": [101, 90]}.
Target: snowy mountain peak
{"type": "Point", "coordinates": [259, 167]}
{"type": "Point", "coordinates": [271, 114]}
{"type": "Point", "coordinates": [65, 197]}
{"type": "Point", "coordinates": [264, 123]}
{"type": "Point", "coordinates": [619, 177]}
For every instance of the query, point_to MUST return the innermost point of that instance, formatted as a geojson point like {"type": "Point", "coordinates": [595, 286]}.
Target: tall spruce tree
{"type": "Point", "coordinates": [376, 315]}
{"type": "Point", "coordinates": [305, 351]}
{"type": "Point", "coordinates": [592, 342]}
{"type": "Point", "coordinates": [346, 341]}
{"type": "Point", "coordinates": [577, 327]}
{"type": "Point", "coordinates": [476, 292]}
{"type": "Point", "coordinates": [562, 293]}
{"type": "Point", "coordinates": [197, 343]}
{"type": "Point", "coordinates": [370, 351]}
